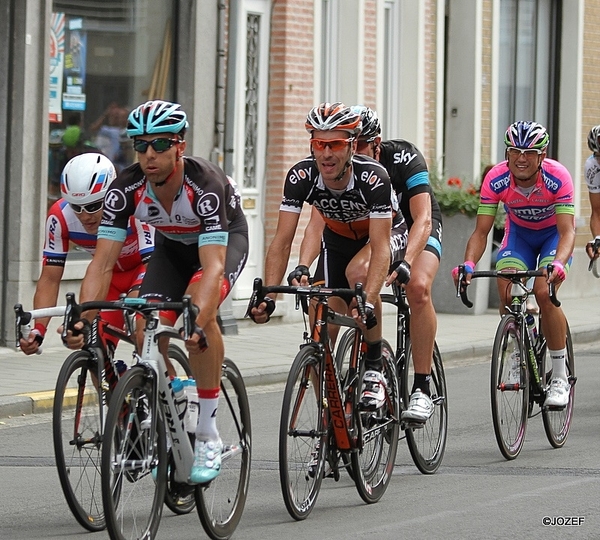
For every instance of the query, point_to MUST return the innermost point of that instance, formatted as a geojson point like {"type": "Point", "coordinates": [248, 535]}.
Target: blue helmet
{"type": "Point", "coordinates": [527, 135]}
{"type": "Point", "coordinates": [156, 117]}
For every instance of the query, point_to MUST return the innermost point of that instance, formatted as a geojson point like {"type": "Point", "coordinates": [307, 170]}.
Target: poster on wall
{"type": "Point", "coordinates": [57, 59]}
{"type": "Point", "coordinates": [73, 98]}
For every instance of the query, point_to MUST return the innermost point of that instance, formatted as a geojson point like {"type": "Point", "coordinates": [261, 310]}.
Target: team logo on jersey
{"type": "Point", "coordinates": [298, 175]}
{"type": "Point", "coordinates": [403, 157]}
{"type": "Point", "coordinates": [115, 200]}
{"type": "Point", "coordinates": [207, 205]}
{"type": "Point", "coordinates": [153, 211]}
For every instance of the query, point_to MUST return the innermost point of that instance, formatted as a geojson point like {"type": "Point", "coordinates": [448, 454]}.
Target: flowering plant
{"type": "Point", "coordinates": [455, 198]}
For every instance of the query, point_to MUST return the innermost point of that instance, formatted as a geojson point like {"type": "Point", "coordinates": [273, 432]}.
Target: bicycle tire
{"type": "Point", "coordinates": [302, 435]}
{"type": "Point", "coordinates": [179, 498]}
{"type": "Point", "coordinates": [221, 503]}
{"type": "Point", "coordinates": [134, 448]}
{"type": "Point", "coordinates": [557, 423]}
{"type": "Point", "coordinates": [510, 402]}
{"type": "Point", "coordinates": [77, 434]}
{"type": "Point", "coordinates": [427, 443]}
{"type": "Point", "coordinates": [373, 463]}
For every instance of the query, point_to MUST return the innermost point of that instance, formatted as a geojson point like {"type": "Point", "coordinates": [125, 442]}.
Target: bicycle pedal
{"type": "Point", "coordinates": [413, 425]}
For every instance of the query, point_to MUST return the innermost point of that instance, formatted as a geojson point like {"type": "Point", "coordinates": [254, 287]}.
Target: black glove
{"type": "Point", "coordinates": [268, 310]}
{"type": "Point", "coordinates": [297, 273]}
{"type": "Point", "coordinates": [85, 331]}
{"type": "Point", "coordinates": [202, 342]}
{"type": "Point", "coordinates": [402, 268]}
{"type": "Point", "coordinates": [370, 318]}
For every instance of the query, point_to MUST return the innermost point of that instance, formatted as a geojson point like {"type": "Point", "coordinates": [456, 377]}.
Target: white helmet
{"type": "Point", "coordinates": [85, 178]}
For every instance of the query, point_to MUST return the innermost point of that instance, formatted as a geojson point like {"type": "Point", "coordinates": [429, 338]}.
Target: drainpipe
{"type": "Point", "coordinates": [227, 320]}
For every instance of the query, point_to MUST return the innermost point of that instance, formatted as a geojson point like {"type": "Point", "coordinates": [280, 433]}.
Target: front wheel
{"type": "Point", "coordinates": [134, 458]}
{"type": "Point", "coordinates": [77, 419]}
{"type": "Point", "coordinates": [373, 461]}
{"type": "Point", "coordinates": [221, 503]}
{"type": "Point", "coordinates": [427, 442]}
{"type": "Point", "coordinates": [557, 423]}
{"type": "Point", "coordinates": [302, 435]}
{"type": "Point", "coordinates": [509, 387]}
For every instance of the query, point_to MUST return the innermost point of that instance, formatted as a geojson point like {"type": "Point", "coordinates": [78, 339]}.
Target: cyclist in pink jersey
{"type": "Point", "coordinates": [75, 219]}
{"type": "Point", "coordinates": [537, 194]}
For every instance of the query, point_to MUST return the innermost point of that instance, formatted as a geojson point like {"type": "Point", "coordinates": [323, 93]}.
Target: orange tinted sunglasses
{"type": "Point", "coordinates": [335, 144]}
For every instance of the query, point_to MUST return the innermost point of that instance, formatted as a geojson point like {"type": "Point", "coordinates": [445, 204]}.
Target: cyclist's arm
{"type": "Point", "coordinates": [311, 241]}
{"type": "Point", "coordinates": [379, 238]}
{"type": "Point", "coordinates": [566, 240]}
{"type": "Point", "coordinates": [279, 251]}
{"type": "Point", "coordinates": [420, 210]}
{"type": "Point", "coordinates": [478, 240]}
{"type": "Point", "coordinates": [208, 293]}
{"type": "Point", "coordinates": [595, 217]}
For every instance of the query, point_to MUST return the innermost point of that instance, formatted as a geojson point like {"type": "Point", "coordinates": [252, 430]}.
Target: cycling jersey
{"type": "Point", "coordinates": [63, 227]}
{"type": "Point", "coordinates": [201, 213]}
{"type": "Point", "coordinates": [592, 174]}
{"type": "Point", "coordinates": [367, 196]}
{"type": "Point", "coordinates": [409, 175]}
{"type": "Point", "coordinates": [552, 194]}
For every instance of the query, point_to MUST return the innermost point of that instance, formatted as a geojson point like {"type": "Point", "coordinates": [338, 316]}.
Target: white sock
{"type": "Point", "coordinates": [559, 364]}
{"type": "Point", "coordinates": [207, 419]}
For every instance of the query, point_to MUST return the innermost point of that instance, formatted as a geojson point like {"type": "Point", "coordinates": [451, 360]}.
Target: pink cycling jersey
{"type": "Point", "coordinates": [63, 227]}
{"type": "Point", "coordinates": [552, 194]}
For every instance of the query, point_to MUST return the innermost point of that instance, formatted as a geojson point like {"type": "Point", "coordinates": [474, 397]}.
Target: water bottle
{"type": "Point", "coordinates": [180, 397]}
{"type": "Point", "coordinates": [193, 405]}
{"type": "Point", "coordinates": [531, 327]}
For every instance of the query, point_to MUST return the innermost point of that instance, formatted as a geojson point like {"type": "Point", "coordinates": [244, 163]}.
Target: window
{"type": "Point", "coordinates": [528, 65]}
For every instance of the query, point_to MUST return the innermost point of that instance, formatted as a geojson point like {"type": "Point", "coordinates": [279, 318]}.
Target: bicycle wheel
{"type": "Point", "coordinates": [557, 423]}
{"type": "Point", "coordinates": [510, 398]}
{"type": "Point", "coordinates": [221, 502]}
{"type": "Point", "coordinates": [373, 463]}
{"type": "Point", "coordinates": [427, 442]}
{"type": "Point", "coordinates": [77, 434]}
{"type": "Point", "coordinates": [302, 435]}
{"type": "Point", "coordinates": [179, 498]}
{"type": "Point", "coordinates": [134, 459]}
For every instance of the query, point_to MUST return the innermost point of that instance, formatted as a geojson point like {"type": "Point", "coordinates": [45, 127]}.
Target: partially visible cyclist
{"type": "Point", "coordinates": [75, 219]}
{"type": "Point", "coordinates": [353, 195]}
{"type": "Point", "coordinates": [410, 180]}
{"type": "Point", "coordinates": [592, 179]}
{"type": "Point", "coordinates": [201, 246]}
{"type": "Point", "coordinates": [537, 193]}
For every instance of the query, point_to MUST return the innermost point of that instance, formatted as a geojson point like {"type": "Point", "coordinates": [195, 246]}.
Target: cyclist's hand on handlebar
{"type": "Point", "coordinates": [399, 272]}
{"type": "Point", "coordinates": [77, 335]}
{"type": "Point", "coordinates": [369, 320]}
{"type": "Point", "coordinates": [197, 342]}
{"type": "Point", "coordinates": [593, 248]}
{"type": "Point", "coordinates": [31, 344]}
{"type": "Point", "coordinates": [262, 310]}
{"type": "Point", "coordinates": [299, 276]}
{"type": "Point", "coordinates": [555, 272]}
{"type": "Point", "coordinates": [469, 267]}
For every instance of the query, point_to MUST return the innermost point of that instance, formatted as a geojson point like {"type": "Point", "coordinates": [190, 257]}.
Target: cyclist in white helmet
{"type": "Point", "coordinates": [200, 249]}
{"type": "Point", "coordinates": [75, 219]}
{"type": "Point", "coordinates": [592, 179]}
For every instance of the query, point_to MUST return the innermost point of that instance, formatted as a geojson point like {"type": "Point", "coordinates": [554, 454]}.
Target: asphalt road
{"type": "Point", "coordinates": [476, 494]}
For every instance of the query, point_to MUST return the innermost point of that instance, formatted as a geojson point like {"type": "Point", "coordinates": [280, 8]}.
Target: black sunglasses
{"type": "Point", "coordinates": [88, 208]}
{"type": "Point", "coordinates": [158, 145]}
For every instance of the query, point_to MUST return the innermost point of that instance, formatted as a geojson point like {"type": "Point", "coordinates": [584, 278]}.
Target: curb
{"type": "Point", "coordinates": [42, 402]}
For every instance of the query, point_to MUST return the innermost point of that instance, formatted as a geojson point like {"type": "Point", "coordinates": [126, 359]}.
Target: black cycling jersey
{"type": "Point", "coordinates": [367, 196]}
{"type": "Point", "coordinates": [409, 175]}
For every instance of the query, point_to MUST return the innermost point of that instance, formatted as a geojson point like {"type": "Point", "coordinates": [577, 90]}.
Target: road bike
{"type": "Point", "coordinates": [520, 370]}
{"type": "Point", "coordinates": [83, 388]}
{"type": "Point", "coordinates": [323, 428]}
{"type": "Point", "coordinates": [137, 466]}
{"type": "Point", "coordinates": [426, 441]}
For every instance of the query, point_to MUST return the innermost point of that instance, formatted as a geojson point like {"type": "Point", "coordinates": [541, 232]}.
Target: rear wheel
{"type": "Point", "coordinates": [427, 442]}
{"type": "Point", "coordinates": [302, 435]}
{"type": "Point", "coordinates": [373, 462]}
{"type": "Point", "coordinates": [221, 502]}
{"type": "Point", "coordinates": [509, 389]}
{"type": "Point", "coordinates": [77, 432]}
{"type": "Point", "coordinates": [557, 423]}
{"type": "Point", "coordinates": [134, 459]}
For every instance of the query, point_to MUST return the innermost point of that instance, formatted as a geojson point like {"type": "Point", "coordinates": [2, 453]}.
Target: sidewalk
{"type": "Point", "coordinates": [264, 353]}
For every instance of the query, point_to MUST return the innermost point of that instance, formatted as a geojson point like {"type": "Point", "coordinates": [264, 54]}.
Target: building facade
{"type": "Point", "coordinates": [449, 75]}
